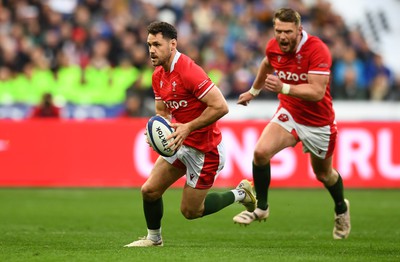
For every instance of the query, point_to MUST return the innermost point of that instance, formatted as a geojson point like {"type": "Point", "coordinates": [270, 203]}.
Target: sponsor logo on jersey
{"type": "Point", "coordinates": [289, 76]}
{"type": "Point", "coordinates": [176, 104]}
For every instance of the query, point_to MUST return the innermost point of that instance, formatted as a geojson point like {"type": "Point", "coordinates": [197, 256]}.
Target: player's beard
{"type": "Point", "coordinates": [160, 61]}
{"type": "Point", "coordinates": [289, 47]}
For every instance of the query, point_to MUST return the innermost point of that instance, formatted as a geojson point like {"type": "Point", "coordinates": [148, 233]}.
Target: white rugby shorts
{"type": "Point", "coordinates": [201, 168]}
{"type": "Point", "coordinates": [320, 141]}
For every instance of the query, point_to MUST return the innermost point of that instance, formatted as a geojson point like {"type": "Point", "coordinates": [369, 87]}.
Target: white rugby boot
{"type": "Point", "coordinates": [249, 200]}
{"type": "Point", "coordinates": [144, 242]}
{"type": "Point", "coordinates": [342, 227]}
{"type": "Point", "coordinates": [246, 217]}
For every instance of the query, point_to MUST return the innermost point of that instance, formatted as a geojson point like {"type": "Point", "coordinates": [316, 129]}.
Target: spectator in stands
{"type": "Point", "coordinates": [349, 90]}
{"type": "Point", "coordinates": [376, 68]}
{"type": "Point", "coordinates": [7, 95]}
{"type": "Point", "coordinates": [380, 87]}
{"type": "Point", "coordinates": [349, 61]}
{"type": "Point", "coordinates": [134, 105]}
{"type": "Point", "coordinates": [46, 108]}
{"type": "Point", "coordinates": [394, 94]}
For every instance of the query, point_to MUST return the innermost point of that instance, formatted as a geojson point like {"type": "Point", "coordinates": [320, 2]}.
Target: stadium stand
{"type": "Point", "coordinates": [87, 53]}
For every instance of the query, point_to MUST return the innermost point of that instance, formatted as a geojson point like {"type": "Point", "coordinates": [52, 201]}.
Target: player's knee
{"type": "Point", "coordinates": [149, 194]}
{"type": "Point", "coordinates": [190, 214]}
{"type": "Point", "coordinates": [261, 157]}
{"type": "Point", "coordinates": [322, 177]}
{"type": "Point", "coordinates": [327, 178]}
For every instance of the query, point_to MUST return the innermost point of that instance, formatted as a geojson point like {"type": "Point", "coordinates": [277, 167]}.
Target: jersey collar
{"type": "Point", "coordinates": [176, 57]}
{"type": "Point", "coordinates": [303, 40]}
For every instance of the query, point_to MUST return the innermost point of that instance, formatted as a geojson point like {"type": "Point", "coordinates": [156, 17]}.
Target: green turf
{"type": "Point", "coordinates": [94, 224]}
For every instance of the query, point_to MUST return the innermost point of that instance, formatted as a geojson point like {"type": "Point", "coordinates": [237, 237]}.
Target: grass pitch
{"type": "Point", "coordinates": [94, 224]}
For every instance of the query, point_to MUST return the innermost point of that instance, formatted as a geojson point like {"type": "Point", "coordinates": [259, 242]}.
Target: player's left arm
{"type": "Point", "coordinates": [314, 90]}
{"type": "Point", "coordinates": [216, 108]}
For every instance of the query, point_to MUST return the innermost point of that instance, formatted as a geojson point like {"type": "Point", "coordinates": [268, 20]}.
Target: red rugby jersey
{"type": "Point", "coordinates": [181, 90]}
{"type": "Point", "coordinates": [311, 57]}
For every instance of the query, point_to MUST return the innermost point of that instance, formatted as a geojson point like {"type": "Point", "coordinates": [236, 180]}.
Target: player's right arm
{"type": "Point", "coordinates": [162, 110]}
{"type": "Point", "coordinates": [264, 69]}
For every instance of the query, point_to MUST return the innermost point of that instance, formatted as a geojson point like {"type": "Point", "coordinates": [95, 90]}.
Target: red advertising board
{"type": "Point", "coordinates": [114, 153]}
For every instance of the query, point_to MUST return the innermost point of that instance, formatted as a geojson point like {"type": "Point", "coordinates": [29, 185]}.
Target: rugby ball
{"type": "Point", "coordinates": [157, 130]}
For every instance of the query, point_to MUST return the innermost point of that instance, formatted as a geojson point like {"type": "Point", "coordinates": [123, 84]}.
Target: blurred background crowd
{"type": "Point", "coordinates": [85, 52]}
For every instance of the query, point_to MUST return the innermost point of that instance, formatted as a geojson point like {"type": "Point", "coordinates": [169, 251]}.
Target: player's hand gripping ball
{"type": "Point", "coordinates": [157, 130]}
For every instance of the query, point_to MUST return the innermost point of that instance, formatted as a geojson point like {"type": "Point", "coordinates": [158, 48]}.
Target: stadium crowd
{"type": "Point", "coordinates": [95, 51]}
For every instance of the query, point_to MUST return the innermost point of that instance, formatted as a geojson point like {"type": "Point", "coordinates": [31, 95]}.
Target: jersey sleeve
{"type": "Point", "coordinates": [320, 59]}
{"type": "Point", "coordinates": [156, 86]}
{"type": "Point", "coordinates": [197, 81]}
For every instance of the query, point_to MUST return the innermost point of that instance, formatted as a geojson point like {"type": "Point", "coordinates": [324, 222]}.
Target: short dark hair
{"type": "Point", "coordinates": [287, 15]}
{"type": "Point", "coordinates": [167, 30]}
